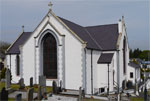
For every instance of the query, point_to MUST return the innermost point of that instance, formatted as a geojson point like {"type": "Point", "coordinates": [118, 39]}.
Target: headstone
{"type": "Point", "coordinates": [60, 89]}
{"type": "Point", "coordinates": [31, 82]}
{"type": "Point", "coordinates": [54, 87]}
{"type": "Point", "coordinates": [42, 80]}
{"type": "Point", "coordinates": [83, 93]}
{"type": "Point", "coordinates": [80, 94]}
{"type": "Point", "coordinates": [145, 94]}
{"type": "Point", "coordinates": [39, 93]}
{"type": "Point", "coordinates": [4, 94]}
{"type": "Point", "coordinates": [42, 83]}
{"type": "Point", "coordinates": [8, 81]}
{"type": "Point", "coordinates": [136, 89]}
{"type": "Point", "coordinates": [19, 97]}
{"type": "Point", "coordinates": [30, 94]}
{"type": "Point", "coordinates": [21, 83]}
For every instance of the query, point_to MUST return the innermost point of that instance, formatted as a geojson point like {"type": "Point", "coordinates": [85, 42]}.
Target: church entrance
{"type": "Point", "coordinates": [49, 56]}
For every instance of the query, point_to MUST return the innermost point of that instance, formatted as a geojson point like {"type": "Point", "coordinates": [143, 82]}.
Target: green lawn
{"type": "Point", "coordinates": [16, 87]}
{"type": "Point", "coordinates": [136, 99]}
{"type": "Point", "coordinates": [13, 86]}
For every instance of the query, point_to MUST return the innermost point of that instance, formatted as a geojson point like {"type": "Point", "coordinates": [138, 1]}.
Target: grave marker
{"type": "Point", "coordinates": [7, 83]}
{"type": "Point", "coordinates": [30, 94]}
{"type": "Point", "coordinates": [31, 82]}
{"type": "Point", "coordinates": [19, 97]}
{"type": "Point", "coordinates": [21, 83]}
{"type": "Point", "coordinates": [4, 94]}
{"type": "Point", "coordinates": [54, 87]}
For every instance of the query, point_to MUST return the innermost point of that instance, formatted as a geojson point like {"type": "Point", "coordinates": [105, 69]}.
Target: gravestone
{"type": "Point", "coordinates": [31, 82]}
{"type": "Point", "coordinates": [54, 87]}
{"type": "Point", "coordinates": [21, 83]}
{"type": "Point", "coordinates": [42, 83]}
{"type": "Point", "coordinates": [19, 97]}
{"type": "Point", "coordinates": [39, 93]}
{"type": "Point", "coordinates": [42, 80]}
{"type": "Point", "coordinates": [145, 94]}
{"type": "Point", "coordinates": [4, 94]}
{"type": "Point", "coordinates": [80, 94]}
{"type": "Point", "coordinates": [30, 94]}
{"type": "Point", "coordinates": [8, 81]}
{"type": "Point", "coordinates": [60, 88]}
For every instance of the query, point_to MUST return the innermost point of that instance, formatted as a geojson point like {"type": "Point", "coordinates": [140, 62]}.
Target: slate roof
{"type": "Point", "coordinates": [102, 37]}
{"type": "Point", "coordinates": [105, 58]}
{"type": "Point", "coordinates": [134, 65]}
{"type": "Point", "coordinates": [14, 49]}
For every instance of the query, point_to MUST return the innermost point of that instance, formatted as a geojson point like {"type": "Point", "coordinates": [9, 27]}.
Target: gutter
{"type": "Point", "coordinates": [91, 71]}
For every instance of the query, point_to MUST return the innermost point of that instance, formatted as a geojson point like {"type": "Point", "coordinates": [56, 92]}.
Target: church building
{"type": "Point", "coordinates": [92, 57]}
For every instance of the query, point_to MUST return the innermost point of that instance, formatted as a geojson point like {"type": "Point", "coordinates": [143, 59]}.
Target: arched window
{"type": "Point", "coordinates": [49, 56]}
{"type": "Point", "coordinates": [17, 65]}
{"type": "Point", "coordinates": [124, 55]}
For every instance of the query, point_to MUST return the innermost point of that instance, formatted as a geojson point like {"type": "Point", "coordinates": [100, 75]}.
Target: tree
{"type": "Point", "coordinates": [145, 55]}
{"type": "Point", "coordinates": [3, 47]}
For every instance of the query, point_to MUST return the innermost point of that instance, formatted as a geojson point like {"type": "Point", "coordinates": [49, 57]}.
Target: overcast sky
{"type": "Point", "coordinates": [15, 13]}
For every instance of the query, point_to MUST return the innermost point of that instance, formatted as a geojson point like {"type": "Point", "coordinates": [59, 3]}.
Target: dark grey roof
{"type": "Point", "coordinates": [14, 49]}
{"type": "Point", "coordinates": [102, 37]}
{"type": "Point", "coordinates": [134, 65]}
{"type": "Point", "coordinates": [105, 58]}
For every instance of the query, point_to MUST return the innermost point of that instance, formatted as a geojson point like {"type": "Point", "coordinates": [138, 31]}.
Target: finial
{"type": "Point", "coordinates": [22, 28]}
{"type": "Point", "coordinates": [50, 6]}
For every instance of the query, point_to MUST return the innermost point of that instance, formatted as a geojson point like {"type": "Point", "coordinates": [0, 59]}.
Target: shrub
{"type": "Point", "coordinates": [2, 75]}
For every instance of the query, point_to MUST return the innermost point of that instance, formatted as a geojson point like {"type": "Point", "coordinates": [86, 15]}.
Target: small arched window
{"type": "Point", "coordinates": [17, 65]}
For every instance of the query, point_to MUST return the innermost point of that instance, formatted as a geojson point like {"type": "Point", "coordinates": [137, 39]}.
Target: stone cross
{"type": "Point", "coordinates": [7, 83]}
{"type": "Point", "coordinates": [4, 94]}
{"type": "Point", "coordinates": [50, 6]}
{"type": "Point", "coordinates": [31, 82]}
{"type": "Point", "coordinates": [19, 97]}
{"type": "Point", "coordinates": [30, 94]}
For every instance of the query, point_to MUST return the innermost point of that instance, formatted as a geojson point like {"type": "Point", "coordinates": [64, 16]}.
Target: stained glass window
{"type": "Point", "coordinates": [50, 56]}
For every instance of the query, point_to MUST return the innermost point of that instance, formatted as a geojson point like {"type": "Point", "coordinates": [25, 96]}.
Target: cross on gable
{"type": "Point", "coordinates": [50, 6]}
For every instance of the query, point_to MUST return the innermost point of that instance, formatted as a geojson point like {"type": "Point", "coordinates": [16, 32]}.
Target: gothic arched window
{"type": "Point", "coordinates": [49, 56]}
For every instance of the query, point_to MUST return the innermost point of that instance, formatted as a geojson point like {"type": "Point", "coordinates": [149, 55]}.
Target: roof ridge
{"type": "Point", "coordinates": [70, 21]}
{"type": "Point", "coordinates": [100, 25]}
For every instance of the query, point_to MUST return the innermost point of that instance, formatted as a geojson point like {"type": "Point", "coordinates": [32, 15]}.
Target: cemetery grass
{"type": "Point", "coordinates": [16, 87]}
{"type": "Point", "coordinates": [13, 86]}
{"type": "Point", "coordinates": [136, 99]}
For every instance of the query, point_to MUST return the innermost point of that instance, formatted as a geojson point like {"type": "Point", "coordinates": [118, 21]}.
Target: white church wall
{"type": "Point", "coordinates": [28, 61]}
{"type": "Point", "coordinates": [15, 78]}
{"type": "Point", "coordinates": [122, 30]}
{"type": "Point", "coordinates": [73, 57]}
{"type": "Point", "coordinates": [88, 71]}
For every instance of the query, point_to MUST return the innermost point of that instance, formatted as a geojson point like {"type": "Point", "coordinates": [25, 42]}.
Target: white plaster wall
{"type": "Point", "coordinates": [88, 71]}
{"type": "Point", "coordinates": [15, 78]}
{"type": "Point", "coordinates": [74, 57]}
{"type": "Point", "coordinates": [131, 69]}
{"type": "Point", "coordinates": [122, 30]}
{"type": "Point", "coordinates": [74, 53]}
{"type": "Point", "coordinates": [103, 76]}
